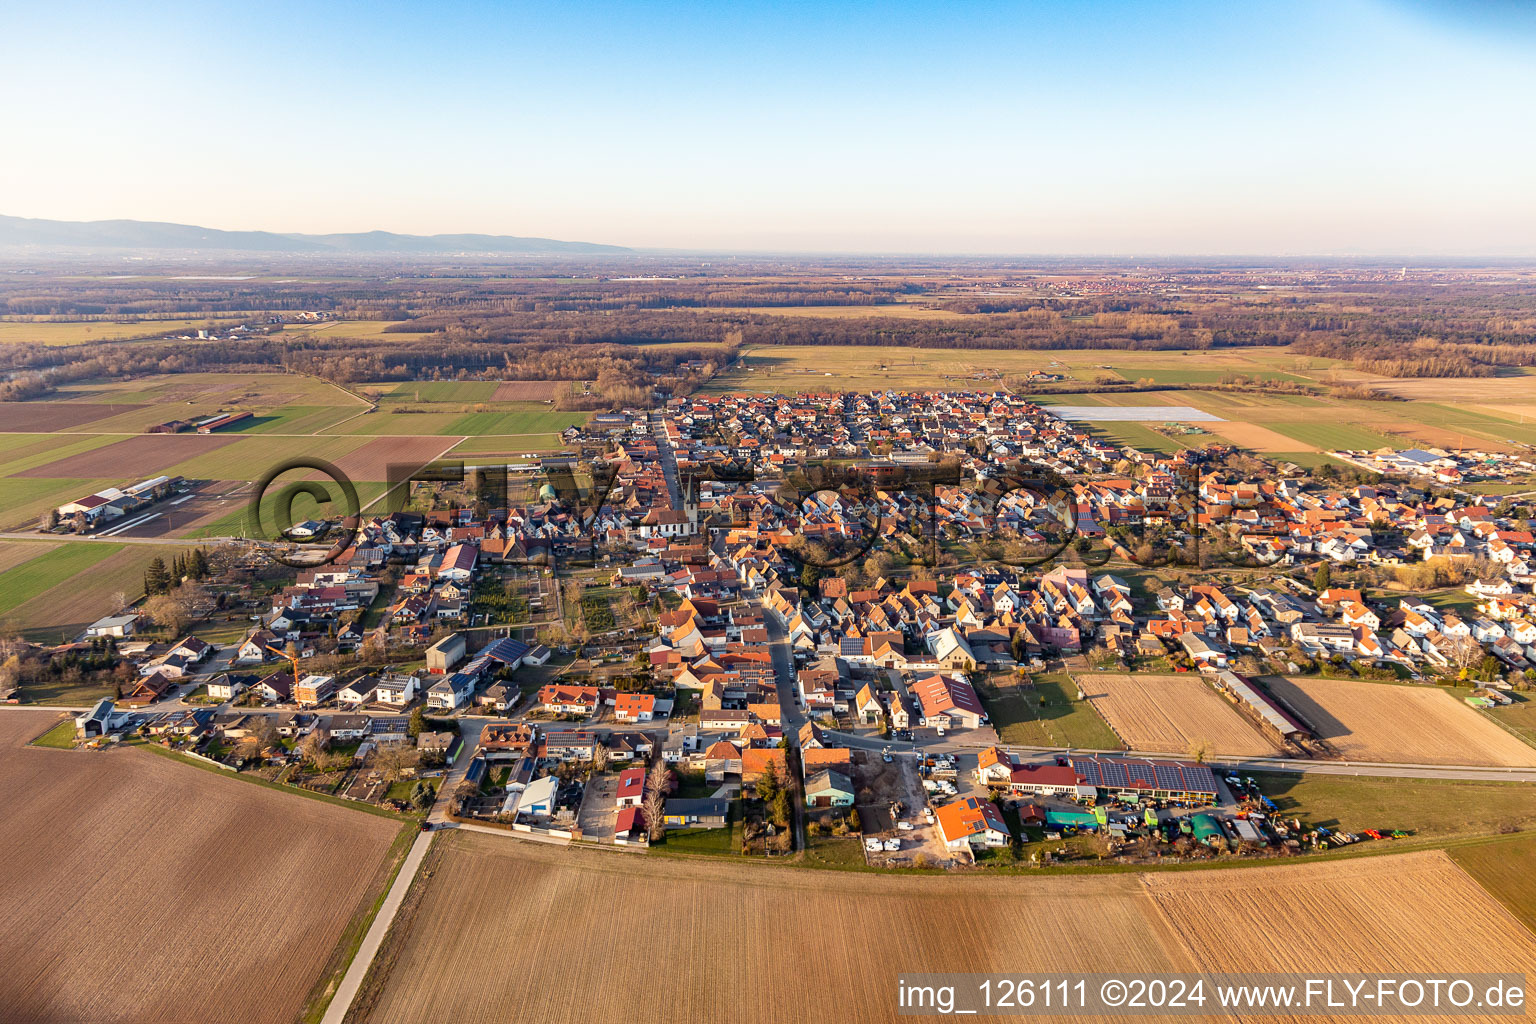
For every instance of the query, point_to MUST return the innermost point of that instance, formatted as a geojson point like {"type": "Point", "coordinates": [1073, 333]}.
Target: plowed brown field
{"type": "Point", "coordinates": [1401, 724]}
{"type": "Point", "coordinates": [1410, 913]}
{"type": "Point", "coordinates": [722, 930]}
{"type": "Point", "coordinates": [373, 460]}
{"type": "Point", "coordinates": [134, 459]}
{"type": "Point", "coordinates": [528, 390]}
{"type": "Point", "coordinates": [1169, 713]}
{"type": "Point", "coordinates": [611, 936]}
{"type": "Point", "coordinates": [138, 889]}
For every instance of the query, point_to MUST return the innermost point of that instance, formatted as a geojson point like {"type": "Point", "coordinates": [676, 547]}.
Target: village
{"type": "Point", "coordinates": [791, 621]}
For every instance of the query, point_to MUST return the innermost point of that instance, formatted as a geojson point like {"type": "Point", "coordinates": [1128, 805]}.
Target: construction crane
{"type": "Point", "coordinates": [292, 659]}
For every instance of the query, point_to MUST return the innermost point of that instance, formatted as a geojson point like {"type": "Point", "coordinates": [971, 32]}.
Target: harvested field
{"type": "Point", "coordinates": [529, 390]}
{"type": "Point", "coordinates": [49, 416]}
{"type": "Point", "coordinates": [78, 594]}
{"type": "Point", "coordinates": [1410, 913]}
{"type": "Point", "coordinates": [137, 457]}
{"type": "Point", "coordinates": [1258, 438]}
{"type": "Point", "coordinates": [1515, 389]}
{"type": "Point", "coordinates": [230, 897]}
{"type": "Point", "coordinates": [1170, 713]}
{"type": "Point", "coordinates": [373, 459]}
{"type": "Point", "coordinates": [14, 552]}
{"type": "Point", "coordinates": [1402, 724]}
{"type": "Point", "coordinates": [732, 927]}
{"type": "Point", "coordinates": [730, 921]}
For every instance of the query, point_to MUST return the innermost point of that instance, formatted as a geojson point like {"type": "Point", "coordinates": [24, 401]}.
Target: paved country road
{"type": "Point", "coordinates": [353, 979]}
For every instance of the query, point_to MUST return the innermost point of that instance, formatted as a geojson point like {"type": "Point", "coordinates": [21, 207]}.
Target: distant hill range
{"type": "Point", "coordinates": [17, 232]}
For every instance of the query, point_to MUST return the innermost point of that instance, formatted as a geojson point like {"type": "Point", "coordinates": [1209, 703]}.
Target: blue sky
{"type": "Point", "coordinates": [1371, 126]}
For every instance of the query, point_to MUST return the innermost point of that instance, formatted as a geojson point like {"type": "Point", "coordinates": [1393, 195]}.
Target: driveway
{"type": "Point", "coordinates": [598, 812]}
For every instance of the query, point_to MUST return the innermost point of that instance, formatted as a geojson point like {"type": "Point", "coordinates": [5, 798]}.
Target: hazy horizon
{"type": "Point", "coordinates": [1359, 128]}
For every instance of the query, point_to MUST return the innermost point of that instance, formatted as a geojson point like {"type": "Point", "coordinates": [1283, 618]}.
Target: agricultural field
{"type": "Point", "coordinates": [15, 552]}
{"type": "Point", "coordinates": [530, 390]}
{"type": "Point", "coordinates": [207, 880]}
{"type": "Point", "coordinates": [1428, 808]}
{"type": "Point", "coordinates": [1409, 913]}
{"type": "Point", "coordinates": [347, 328]}
{"type": "Point", "coordinates": [1406, 912]}
{"type": "Point", "coordinates": [86, 332]}
{"type": "Point", "coordinates": [513, 445]}
{"type": "Point", "coordinates": [1399, 724]}
{"type": "Point", "coordinates": [133, 458]}
{"type": "Point", "coordinates": [1171, 714]}
{"type": "Point", "coordinates": [35, 576]}
{"type": "Point", "coordinates": [737, 922]}
{"type": "Point", "coordinates": [79, 586]}
{"type": "Point", "coordinates": [1436, 413]}
{"type": "Point", "coordinates": [1507, 869]}
{"type": "Point", "coordinates": [1045, 714]}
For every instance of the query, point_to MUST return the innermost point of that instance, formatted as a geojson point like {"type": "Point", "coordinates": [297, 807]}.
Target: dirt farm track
{"type": "Point", "coordinates": [625, 937]}
{"type": "Point", "coordinates": [138, 889]}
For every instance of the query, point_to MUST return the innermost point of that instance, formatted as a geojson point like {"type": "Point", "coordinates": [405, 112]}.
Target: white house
{"type": "Point", "coordinates": [450, 692]}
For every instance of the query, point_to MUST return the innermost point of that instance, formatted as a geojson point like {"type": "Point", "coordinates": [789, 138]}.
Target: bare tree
{"type": "Point", "coordinates": [313, 747]}
{"type": "Point", "coordinates": [249, 747]}
{"type": "Point", "coordinates": [1465, 652]}
{"type": "Point", "coordinates": [599, 757]}
{"type": "Point", "coordinates": [394, 760]}
{"type": "Point", "coordinates": [655, 807]}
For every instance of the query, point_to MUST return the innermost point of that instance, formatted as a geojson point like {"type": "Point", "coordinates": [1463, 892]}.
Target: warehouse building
{"type": "Point", "coordinates": [1132, 778]}
{"type": "Point", "coordinates": [1273, 720]}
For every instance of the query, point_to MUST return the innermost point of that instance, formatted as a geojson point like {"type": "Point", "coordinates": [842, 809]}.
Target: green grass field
{"type": "Point", "coordinates": [60, 737]}
{"type": "Point", "coordinates": [507, 444]}
{"type": "Point", "coordinates": [1520, 717]}
{"type": "Point", "coordinates": [1138, 435]}
{"type": "Point", "coordinates": [298, 419]}
{"type": "Point", "coordinates": [23, 582]}
{"type": "Point", "coordinates": [417, 392]}
{"type": "Point", "coordinates": [1426, 807]}
{"type": "Point", "coordinates": [517, 418]}
{"type": "Point", "coordinates": [1334, 436]}
{"type": "Point", "coordinates": [1507, 869]}
{"type": "Point", "coordinates": [1048, 716]}
{"type": "Point", "coordinates": [23, 500]}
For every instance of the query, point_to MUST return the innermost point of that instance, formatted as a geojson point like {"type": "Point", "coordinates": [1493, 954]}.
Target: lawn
{"type": "Point", "coordinates": [834, 852]}
{"type": "Point", "coordinates": [1048, 716]}
{"type": "Point", "coordinates": [1432, 808]}
{"type": "Point", "coordinates": [52, 690]}
{"type": "Point", "coordinates": [31, 578]}
{"type": "Point", "coordinates": [714, 841]}
{"type": "Point", "coordinates": [61, 736]}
